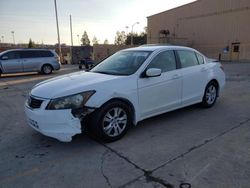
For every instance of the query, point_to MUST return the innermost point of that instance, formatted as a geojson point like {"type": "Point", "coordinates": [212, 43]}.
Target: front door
{"type": "Point", "coordinates": [11, 62]}
{"type": "Point", "coordinates": [162, 93]}
{"type": "Point", "coordinates": [235, 51]}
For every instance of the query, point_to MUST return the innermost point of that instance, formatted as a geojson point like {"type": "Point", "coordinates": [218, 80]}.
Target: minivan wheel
{"type": "Point", "coordinates": [47, 69]}
{"type": "Point", "coordinates": [210, 95]}
{"type": "Point", "coordinates": [111, 122]}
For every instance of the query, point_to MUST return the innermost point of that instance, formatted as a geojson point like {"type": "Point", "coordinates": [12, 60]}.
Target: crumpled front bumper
{"type": "Point", "coordinates": [59, 124]}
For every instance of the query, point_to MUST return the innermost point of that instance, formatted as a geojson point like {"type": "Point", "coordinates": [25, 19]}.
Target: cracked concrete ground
{"type": "Point", "coordinates": [200, 147]}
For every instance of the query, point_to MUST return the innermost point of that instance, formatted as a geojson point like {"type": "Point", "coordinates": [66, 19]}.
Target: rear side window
{"type": "Point", "coordinates": [30, 54]}
{"type": "Point", "coordinates": [12, 55]}
{"type": "Point", "coordinates": [164, 61]}
{"type": "Point", "coordinates": [187, 58]}
{"type": "Point", "coordinates": [44, 53]}
{"type": "Point", "coordinates": [200, 58]}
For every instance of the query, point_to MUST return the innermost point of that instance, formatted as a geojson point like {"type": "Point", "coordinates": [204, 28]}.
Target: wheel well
{"type": "Point", "coordinates": [128, 103]}
{"type": "Point", "coordinates": [49, 65]}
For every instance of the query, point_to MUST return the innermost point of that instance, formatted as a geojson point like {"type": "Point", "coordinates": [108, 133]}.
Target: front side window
{"type": "Point", "coordinates": [187, 58]}
{"type": "Point", "coordinates": [164, 61]}
{"type": "Point", "coordinates": [200, 58]}
{"type": "Point", "coordinates": [11, 55]}
{"type": "Point", "coordinates": [122, 63]}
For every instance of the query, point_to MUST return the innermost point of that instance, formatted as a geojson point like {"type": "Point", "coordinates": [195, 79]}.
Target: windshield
{"type": "Point", "coordinates": [122, 63]}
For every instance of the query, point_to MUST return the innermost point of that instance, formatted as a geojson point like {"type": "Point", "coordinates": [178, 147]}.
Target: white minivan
{"type": "Point", "coordinates": [129, 86]}
{"type": "Point", "coordinates": [29, 60]}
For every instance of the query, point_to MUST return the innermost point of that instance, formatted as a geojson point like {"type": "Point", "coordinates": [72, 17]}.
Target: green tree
{"type": "Point", "coordinates": [85, 39]}
{"type": "Point", "coordinates": [95, 40]}
{"type": "Point", "coordinates": [31, 44]}
{"type": "Point", "coordinates": [137, 39]}
{"type": "Point", "coordinates": [120, 38]}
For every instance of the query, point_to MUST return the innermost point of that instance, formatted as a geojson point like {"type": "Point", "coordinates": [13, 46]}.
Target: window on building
{"type": "Point", "coordinates": [164, 61]}
{"type": "Point", "coordinates": [187, 58]}
{"type": "Point", "coordinates": [236, 49]}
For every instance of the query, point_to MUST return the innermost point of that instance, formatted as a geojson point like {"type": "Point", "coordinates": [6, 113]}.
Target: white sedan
{"type": "Point", "coordinates": [129, 86]}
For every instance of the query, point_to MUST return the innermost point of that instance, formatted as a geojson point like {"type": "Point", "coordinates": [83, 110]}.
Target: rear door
{"type": "Point", "coordinates": [194, 73]}
{"type": "Point", "coordinates": [31, 60]}
{"type": "Point", "coordinates": [11, 62]}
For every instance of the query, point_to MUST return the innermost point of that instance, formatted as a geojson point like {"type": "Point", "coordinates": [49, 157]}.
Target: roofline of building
{"type": "Point", "coordinates": [196, 1]}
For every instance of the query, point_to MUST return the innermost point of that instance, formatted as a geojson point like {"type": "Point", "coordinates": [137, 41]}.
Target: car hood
{"type": "Point", "coordinates": [69, 84]}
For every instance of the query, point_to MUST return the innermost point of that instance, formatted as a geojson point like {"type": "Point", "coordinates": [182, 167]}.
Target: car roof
{"type": "Point", "coordinates": [26, 49]}
{"type": "Point", "coordinates": [158, 47]}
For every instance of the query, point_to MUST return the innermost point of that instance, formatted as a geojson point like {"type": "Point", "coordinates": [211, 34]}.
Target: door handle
{"type": "Point", "coordinates": [176, 76]}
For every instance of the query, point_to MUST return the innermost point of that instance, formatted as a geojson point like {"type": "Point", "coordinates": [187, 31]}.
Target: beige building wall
{"type": "Point", "coordinates": [207, 25]}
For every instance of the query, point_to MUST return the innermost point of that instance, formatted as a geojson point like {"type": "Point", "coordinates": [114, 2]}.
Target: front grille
{"type": "Point", "coordinates": [34, 103]}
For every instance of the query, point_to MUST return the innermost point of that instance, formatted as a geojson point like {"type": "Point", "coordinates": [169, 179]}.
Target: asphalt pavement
{"type": "Point", "coordinates": [191, 147]}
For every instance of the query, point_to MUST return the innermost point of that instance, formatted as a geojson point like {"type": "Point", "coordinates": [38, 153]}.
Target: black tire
{"type": "Point", "coordinates": [80, 67]}
{"type": "Point", "coordinates": [47, 69]}
{"type": "Point", "coordinates": [106, 125]}
{"type": "Point", "coordinates": [210, 95]}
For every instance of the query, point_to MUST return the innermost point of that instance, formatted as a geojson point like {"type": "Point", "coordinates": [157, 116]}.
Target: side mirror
{"type": "Point", "coordinates": [153, 72]}
{"type": "Point", "coordinates": [4, 58]}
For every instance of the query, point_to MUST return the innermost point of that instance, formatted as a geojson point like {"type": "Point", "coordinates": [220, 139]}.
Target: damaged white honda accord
{"type": "Point", "coordinates": [129, 86]}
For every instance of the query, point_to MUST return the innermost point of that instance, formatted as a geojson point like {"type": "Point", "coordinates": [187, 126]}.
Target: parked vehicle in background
{"type": "Point", "coordinates": [29, 60]}
{"type": "Point", "coordinates": [88, 63]}
{"type": "Point", "coordinates": [127, 87]}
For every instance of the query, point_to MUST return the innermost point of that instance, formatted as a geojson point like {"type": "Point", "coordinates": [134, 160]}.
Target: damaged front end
{"type": "Point", "coordinates": [60, 118]}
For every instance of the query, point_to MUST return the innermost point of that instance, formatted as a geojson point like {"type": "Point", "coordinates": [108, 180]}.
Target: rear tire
{"type": "Point", "coordinates": [210, 95]}
{"type": "Point", "coordinates": [111, 121]}
{"type": "Point", "coordinates": [47, 69]}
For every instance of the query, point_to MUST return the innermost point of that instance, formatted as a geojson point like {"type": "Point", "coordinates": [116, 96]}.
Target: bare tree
{"type": "Point", "coordinates": [106, 41]}
{"type": "Point", "coordinates": [120, 38]}
{"type": "Point", "coordinates": [95, 40]}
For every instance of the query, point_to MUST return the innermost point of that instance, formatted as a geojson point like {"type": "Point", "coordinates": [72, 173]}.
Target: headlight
{"type": "Point", "coordinates": [70, 102]}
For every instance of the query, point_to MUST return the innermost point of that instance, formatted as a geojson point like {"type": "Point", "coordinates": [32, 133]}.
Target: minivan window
{"type": "Point", "coordinates": [164, 61]}
{"type": "Point", "coordinates": [187, 58]}
{"type": "Point", "coordinates": [44, 53]}
{"type": "Point", "coordinates": [30, 54]}
{"type": "Point", "coordinates": [11, 55]}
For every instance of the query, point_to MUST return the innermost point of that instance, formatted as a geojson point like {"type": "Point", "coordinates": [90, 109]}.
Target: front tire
{"type": "Point", "coordinates": [111, 122]}
{"type": "Point", "coordinates": [210, 95]}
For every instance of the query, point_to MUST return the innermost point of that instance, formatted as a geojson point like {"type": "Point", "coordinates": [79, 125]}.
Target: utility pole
{"type": "Point", "coordinates": [13, 36]}
{"type": "Point", "coordinates": [58, 34]}
{"type": "Point", "coordinates": [71, 39]}
{"type": "Point", "coordinates": [71, 30]}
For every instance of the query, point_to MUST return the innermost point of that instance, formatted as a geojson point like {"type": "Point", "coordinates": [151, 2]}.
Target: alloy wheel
{"type": "Point", "coordinates": [211, 94]}
{"type": "Point", "coordinates": [115, 122]}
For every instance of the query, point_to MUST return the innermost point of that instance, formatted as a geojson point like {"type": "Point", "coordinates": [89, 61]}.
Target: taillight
{"type": "Point", "coordinates": [222, 68]}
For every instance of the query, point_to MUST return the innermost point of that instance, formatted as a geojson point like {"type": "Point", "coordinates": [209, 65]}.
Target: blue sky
{"type": "Point", "coordinates": [101, 18]}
